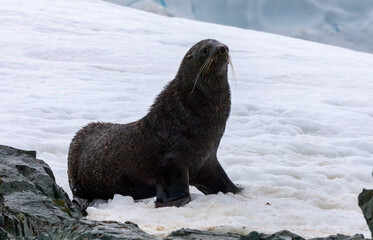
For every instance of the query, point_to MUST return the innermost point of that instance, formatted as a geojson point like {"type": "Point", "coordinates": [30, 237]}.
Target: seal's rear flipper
{"type": "Point", "coordinates": [82, 204]}
{"type": "Point", "coordinates": [213, 179]}
{"type": "Point", "coordinates": [176, 203]}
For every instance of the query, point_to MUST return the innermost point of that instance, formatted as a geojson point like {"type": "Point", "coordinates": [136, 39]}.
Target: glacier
{"type": "Point", "coordinates": [299, 138]}
{"type": "Point", "coordinates": [342, 23]}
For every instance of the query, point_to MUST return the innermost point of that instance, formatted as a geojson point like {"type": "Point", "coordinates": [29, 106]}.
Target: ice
{"type": "Point", "coordinates": [342, 23]}
{"type": "Point", "coordinates": [299, 138]}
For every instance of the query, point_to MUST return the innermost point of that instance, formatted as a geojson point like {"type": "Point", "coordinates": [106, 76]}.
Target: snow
{"type": "Point", "coordinates": [299, 138]}
{"type": "Point", "coordinates": [342, 23]}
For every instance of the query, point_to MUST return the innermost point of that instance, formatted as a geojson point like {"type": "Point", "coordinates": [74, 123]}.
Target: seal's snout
{"type": "Point", "coordinates": [222, 50]}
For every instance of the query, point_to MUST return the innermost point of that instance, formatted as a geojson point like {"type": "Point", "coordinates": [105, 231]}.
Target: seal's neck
{"type": "Point", "coordinates": [209, 84]}
{"type": "Point", "coordinates": [209, 101]}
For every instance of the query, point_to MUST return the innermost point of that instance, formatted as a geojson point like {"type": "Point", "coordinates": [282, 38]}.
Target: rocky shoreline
{"type": "Point", "coordinates": [33, 206]}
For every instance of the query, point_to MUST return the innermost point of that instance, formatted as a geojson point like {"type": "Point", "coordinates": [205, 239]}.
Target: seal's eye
{"type": "Point", "coordinates": [205, 50]}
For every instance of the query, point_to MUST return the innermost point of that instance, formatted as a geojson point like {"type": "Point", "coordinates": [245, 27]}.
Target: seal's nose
{"type": "Point", "coordinates": [222, 50]}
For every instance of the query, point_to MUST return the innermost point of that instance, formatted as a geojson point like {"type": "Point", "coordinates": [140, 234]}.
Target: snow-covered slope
{"type": "Point", "coordinates": [342, 23]}
{"type": "Point", "coordinates": [299, 138]}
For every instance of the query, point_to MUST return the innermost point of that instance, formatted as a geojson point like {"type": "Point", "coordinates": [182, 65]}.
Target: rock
{"type": "Point", "coordinates": [282, 235]}
{"type": "Point", "coordinates": [366, 205]}
{"type": "Point", "coordinates": [33, 206]}
{"type": "Point", "coordinates": [110, 230]}
{"type": "Point", "coordinates": [190, 234]}
{"type": "Point", "coordinates": [341, 237]}
{"type": "Point", "coordinates": [31, 201]}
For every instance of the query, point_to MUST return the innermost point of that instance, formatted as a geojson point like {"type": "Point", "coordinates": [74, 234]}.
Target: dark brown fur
{"type": "Point", "coordinates": [173, 146]}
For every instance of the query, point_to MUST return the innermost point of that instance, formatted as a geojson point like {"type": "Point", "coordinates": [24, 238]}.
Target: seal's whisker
{"type": "Point", "coordinates": [233, 73]}
{"type": "Point", "coordinates": [232, 68]}
{"type": "Point", "coordinates": [204, 66]}
{"type": "Point", "coordinates": [200, 71]}
{"type": "Point", "coordinates": [208, 65]}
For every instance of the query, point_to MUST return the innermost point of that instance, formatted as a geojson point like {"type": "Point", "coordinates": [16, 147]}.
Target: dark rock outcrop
{"type": "Point", "coordinates": [191, 234]}
{"type": "Point", "coordinates": [32, 202]}
{"type": "Point", "coordinates": [342, 237]}
{"type": "Point", "coordinates": [33, 206]}
{"type": "Point", "coordinates": [108, 230]}
{"type": "Point", "coordinates": [366, 205]}
{"type": "Point", "coordinates": [282, 235]}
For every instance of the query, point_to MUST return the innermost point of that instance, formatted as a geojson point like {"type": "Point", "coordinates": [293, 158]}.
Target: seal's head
{"type": "Point", "coordinates": [208, 52]}
{"type": "Point", "coordinates": [205, 62]}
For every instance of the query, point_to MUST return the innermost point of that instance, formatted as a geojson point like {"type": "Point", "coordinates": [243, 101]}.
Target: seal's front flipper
{"type": "Point", "coordinates": [165, 199]}
{"type": "Point", "coordinates": [213, 179]}
{"type": "Point", "coordinates": [141, 191]}
{"type": "Point", "coordinates": [174, 191]}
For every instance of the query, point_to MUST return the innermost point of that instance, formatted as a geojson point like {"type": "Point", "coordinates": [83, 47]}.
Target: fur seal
{"type": "Point", "coordinates": [172, 147]}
